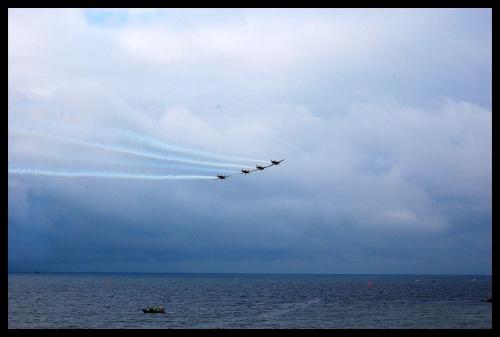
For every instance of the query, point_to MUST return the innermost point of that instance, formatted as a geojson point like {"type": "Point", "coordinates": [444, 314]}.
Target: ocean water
{"type": "Point", "coordinates": [248, 301]}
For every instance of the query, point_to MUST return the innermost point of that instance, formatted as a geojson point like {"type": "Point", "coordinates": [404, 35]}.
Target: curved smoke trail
{"type": "Point", "coordinates": [126, 142]}
{"type": "Point", "coordinates": [132, 151]}
{"type": "Point", "coordinates": [55, 129]}
{"type": "Point", "coordinates": [162, 165]}
{"type": "Point", "coordinates": [102, 174]}
{"type": "Point", "coordinates": [160, 144]}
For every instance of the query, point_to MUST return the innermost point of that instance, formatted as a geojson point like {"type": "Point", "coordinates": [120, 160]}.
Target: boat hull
{"type": "Point", "coordinates": [146, 311]}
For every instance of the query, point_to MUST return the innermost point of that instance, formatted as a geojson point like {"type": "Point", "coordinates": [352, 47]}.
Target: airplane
{"type": "Point", "coordinates": [262, 167]}
{"type": "Point", "coordinates": [221, 177]}
{"type": "Point", "coordinates": [276, 162]}
{"type": "Point", "coordinates": [245, 171]}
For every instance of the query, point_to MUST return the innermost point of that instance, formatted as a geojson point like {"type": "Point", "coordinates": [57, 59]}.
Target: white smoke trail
{"type": "Point", "coordinates": [55, 130]}
{"type": "Point", "coordinates": [101, 174]}
{"type": "Point", "coordinates": [162, 165]}
{"type": "Point", "coordinates": [160, 144]}
{"type": "Point", "coordinates": [128, 150]}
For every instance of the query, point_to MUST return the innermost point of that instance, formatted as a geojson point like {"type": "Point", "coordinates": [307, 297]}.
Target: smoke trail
{"type": "Point", "coordinates": [128, 150]}
{"type": "Point", "coordinates": [51, 129]}
{"type": "Point", "coordinates": [100, 174]}
{"type": "Point", "coordinates": [160, 144]}
{"type": "Point", "coordinates": [162, 165]}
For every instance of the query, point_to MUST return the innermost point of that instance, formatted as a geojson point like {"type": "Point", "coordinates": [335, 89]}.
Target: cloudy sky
{"type": "Point", "coordinates": [119, 122]}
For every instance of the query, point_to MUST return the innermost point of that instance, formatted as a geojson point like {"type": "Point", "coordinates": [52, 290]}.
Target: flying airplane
{"type": "Point", "coordinates": [262, 167]}
{"type": "Point", "coordinates": [221, 177]}
{"type": "Point", "coordinates": [276, 162]}
{"type": "Point", "coordinates": [246, 171]}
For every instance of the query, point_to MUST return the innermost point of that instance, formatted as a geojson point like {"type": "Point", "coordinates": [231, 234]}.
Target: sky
{"type": "Point", "coordinates": [120, 120]}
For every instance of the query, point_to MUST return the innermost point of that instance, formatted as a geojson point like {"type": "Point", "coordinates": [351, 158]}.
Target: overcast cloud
{"type": "Point", "coordinates": [383, 116]}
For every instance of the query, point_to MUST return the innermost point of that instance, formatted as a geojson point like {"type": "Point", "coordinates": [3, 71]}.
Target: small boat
{"type": "Point", "coordinates": [154, 310]}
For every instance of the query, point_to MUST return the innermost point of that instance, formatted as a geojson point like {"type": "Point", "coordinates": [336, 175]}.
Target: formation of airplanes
{"type": "Point", "coordinates": [257, 168]}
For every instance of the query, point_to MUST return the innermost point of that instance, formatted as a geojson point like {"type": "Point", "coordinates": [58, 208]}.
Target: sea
{"type": "Point", "coordinates": [248, 301]}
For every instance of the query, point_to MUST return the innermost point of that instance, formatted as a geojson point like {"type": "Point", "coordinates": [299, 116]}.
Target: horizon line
{"type": "Point", "coordinates": [234, 273]}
